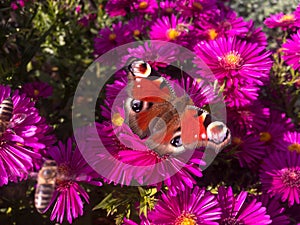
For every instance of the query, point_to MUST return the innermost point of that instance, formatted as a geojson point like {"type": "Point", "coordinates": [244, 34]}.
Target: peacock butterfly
{"type": "Point", "coordinates": [170, 123]}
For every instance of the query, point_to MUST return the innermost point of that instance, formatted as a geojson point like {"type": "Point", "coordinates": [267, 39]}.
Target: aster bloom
{"type": "Point", "coordinates": [145, 6]}
{"type": "Point", "coordinates": [129, 160]}
{"type": "Point", "coordinates": [280, 176]}
{"type": "Point", "coordinates": [202, 9]}
{"type": "Point", "coordinates": [167, 7]}
{"type": "Point", "coordinates": [154, 53]}
{"type": "Point", "coordinates": [291, 49]}
{"type": "Point", "coordinates": [199, 91]}
{"type": "Point", "coordinates": [241, 66]}
{"type": "Point", "coordinates": [108, 38]}
{"type": "Point", "coordinates": [170, 29]}
{"type": "Point", "coordinates": [255, 35]}
{"type": "Point", "coordinates": [23, 139]}
{"type": "Point", "coordinates": [138, 26]}
{"type": "Point", "coordinates": [72, 170]}
{"type": "Point", "coordinates": [272, 132]}
{"type": "Point", "coordinates": [291, 141]}
{"type": "Point", "coordinates": [236, 210]}
{"type": "Point", "coordinates": [251, 117]}
{"type": "Point", "coordinates": [284, 21]}
{"type": "Point", "coordinates": [37, 90]}
{"type": "Point", "coordinates": [18, 4]}
{"type": "Point", "coordinates": [191, 206]}
{"type": "Point", "coordinates": [225, 24]}
{"type": "Point", "coordinates": [117, 7]}
{"type": "Point", "coordinates": [274, 210]}
{"type": "Point", "coordinates": [248, 149]}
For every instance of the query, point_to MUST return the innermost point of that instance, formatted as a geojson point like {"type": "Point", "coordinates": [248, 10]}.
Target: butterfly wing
{"type": "Point", "coordinates": [198, 130]}
{"type": "Point", "coordinates": [149, 97]}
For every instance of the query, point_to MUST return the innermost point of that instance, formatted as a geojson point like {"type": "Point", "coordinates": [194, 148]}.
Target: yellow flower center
{"type": "Point", "coordinates": [197, 5]}
{"type": "Point", "coordinates": [186, 219]}
{"type": "Point", "coordinates": [265, 136]}
{"type": "Point", "coordinates": [136, 33]}
{"type": "Point", "coordinates": [294, 147]}
{"type": "Point", "coordinates": [169, 10]}
{"type": "Point", "coordinates": [143, 5]}
{"type": "Point", "coordinates": [117, 119]}
{"type": "Point", "coordinates": [237, 140]}
{"type": "Point", "coordinates": [212, 34]}
{"type": "Point", "coordinates": [112, 36]}
{"type": "Point", "coordinates": [172, 34]}
{"type": "Point", "coordinates": [287, 18]}
{"type": "Point", "coordinates": [231, 60]}
{"type": "Point", "coordinates": [36, 92]}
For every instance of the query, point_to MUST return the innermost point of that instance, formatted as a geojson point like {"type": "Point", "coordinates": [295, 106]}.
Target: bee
{"type": "Point", "coordinates": [46, 182]}
{"type": "Point", "coordinates": [6, 113]}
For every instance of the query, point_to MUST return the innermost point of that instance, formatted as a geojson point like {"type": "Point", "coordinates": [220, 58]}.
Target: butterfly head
{"type": "Point", "coordinates": [140, 68]}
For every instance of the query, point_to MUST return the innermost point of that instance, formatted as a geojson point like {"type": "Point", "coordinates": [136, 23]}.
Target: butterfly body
{"type": "Point", "coordinates": [171, 124]}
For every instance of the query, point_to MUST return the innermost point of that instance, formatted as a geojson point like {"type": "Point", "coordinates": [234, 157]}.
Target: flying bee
{"type": "Point", "coordinates": [6, 113]}
{"type": "Point", "coordinates": [46, 180]}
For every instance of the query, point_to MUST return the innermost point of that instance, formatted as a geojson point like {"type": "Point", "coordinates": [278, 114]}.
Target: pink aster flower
{"type": "Point", "coordinates": [167, 7]}
{"type": "Point", "coordinates": [128, 160]}
{"type": "Point", "coordinates": [280, 176]}
{"type": "Point", "coordinates": [138, 26]}
{"type": "Point", "coordinates": [248, 148]}
{"type": "Point", "coordinates": [18, 4]}
{"type": "Point", "coordinates": [291, 141]}
{"type": "Point", "coordinates": [272, 132]}
{"type": "Point", "coordinates": [291, 49]}
{"type": "Point", "coordinates": [238, 65]}
{"type": "Point", "coordinates": [156, 54]}
{"type": "Point", "coordinates": [170, 29]}
{"type": "Point", "coordinates": [24, 138]}
{"type": "Point", "coordinates": [37, 90]}
{"type": "Point", "coordinates": [236, 210]}
{"type": "Point", "coordinates": [255, 35]}
{"type": "Point", "coordinates": [202, 9]}
{"type": "Point", "coordinates": [117, 7]}
{"type": "Point", "coordinates": [72, 170]}
{"type": "Point", "coordinates": [108, 38]}
{"type": "Point", "coordinates": [145, 6]}
{"type": "Point", "coordinates": [284, 21]}
{"type": "Point", "coordinates": [191, 206]}
{"type": "Point", "coordinates": [251, 117]}
{"type": "Point", "coordinates": [274, 209]}
{"type": "Point", "coordinates": [225, 24]}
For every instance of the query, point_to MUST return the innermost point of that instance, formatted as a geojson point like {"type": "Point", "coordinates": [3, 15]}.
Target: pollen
{"type": "Point", "coordinates": [169, 10]}
{"type": "Point", "coordinates": [186, 219]}
{"type": "Point", "coordinates": [117, 119]}
{"type": "Point", "coordinates": [237, 140]}
{"type": "Point", "coordinates": [265, 136]}
{"type": "Point", "coordinates": [136, 33]}
{"type": "Point", "coordinates": [294, 147]}
{"type": "Point", "coordinates": [212, 33]}
{"type": "Point", "coordinates": [198, 6]}
{"type": "Point", "coordinates": [291, 178]}
{"type": "Point", "coordinates": [172, 34]}
{"type": "Point", "coordinates": [36, 92]}
{"type": "Point", "coordinates": [143, 5]}
{"type": "Point", "coordinates": [112, 36]}
{"type": "Point", "coordinates": [287, 18]}
{"type": "Point", "coordinates": [231, 60]}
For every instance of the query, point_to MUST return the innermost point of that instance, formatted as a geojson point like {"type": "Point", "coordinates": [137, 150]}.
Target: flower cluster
{"type": "Point", "coordinates": [203, 49]}
{"type": "Point", "coordinates": [231, 53]}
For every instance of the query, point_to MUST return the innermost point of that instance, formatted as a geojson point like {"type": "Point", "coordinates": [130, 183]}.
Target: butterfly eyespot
{"type": "Point", "coordinates": [140, 69]}
{"type": "Point", "coordinates": [137, 105]}
{"type": "Point", "coordinates": [176, 141]}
